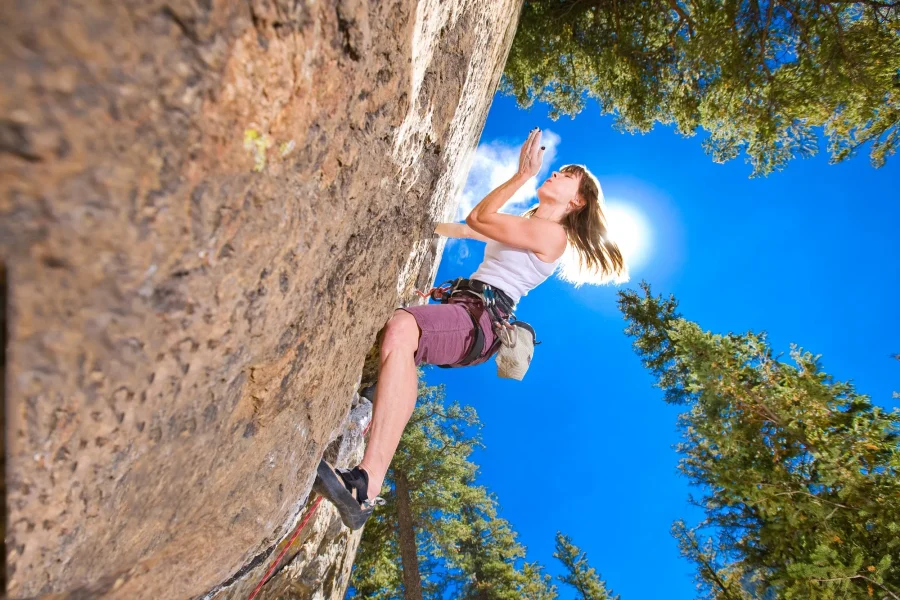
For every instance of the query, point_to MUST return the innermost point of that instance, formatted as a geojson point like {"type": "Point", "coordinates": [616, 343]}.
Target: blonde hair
{"type": "Point", "coordinates": [590, 256]}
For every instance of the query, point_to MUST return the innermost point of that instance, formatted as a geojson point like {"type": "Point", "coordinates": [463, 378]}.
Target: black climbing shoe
{"type": "Point", "coordinates": [346, 489]}
{"type": "Point", "coordinates": [368, 392]}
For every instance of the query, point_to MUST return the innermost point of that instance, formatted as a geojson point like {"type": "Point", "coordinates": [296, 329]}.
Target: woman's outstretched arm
{"type": "Point", "coordinates": [538, 235]}
{"type": "Point", "coordinates": [459, 230]}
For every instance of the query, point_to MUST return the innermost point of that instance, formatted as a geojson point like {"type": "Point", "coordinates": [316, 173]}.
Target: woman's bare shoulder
{"type": "Point", "coordinates": [561, 240]}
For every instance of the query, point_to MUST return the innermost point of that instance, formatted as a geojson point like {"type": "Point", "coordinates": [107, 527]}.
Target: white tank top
{"type": "Point", "coordinates": [513, 270]}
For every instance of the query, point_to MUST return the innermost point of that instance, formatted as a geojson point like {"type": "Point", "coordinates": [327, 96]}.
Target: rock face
{"type": "Point", "coordinates": [207, 211]}
{"type": "Point", "coordinates": [316, 564]}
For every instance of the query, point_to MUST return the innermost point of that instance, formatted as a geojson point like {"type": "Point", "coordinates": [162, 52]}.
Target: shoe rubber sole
{"type": "Point", "coordinates": [329, 485]}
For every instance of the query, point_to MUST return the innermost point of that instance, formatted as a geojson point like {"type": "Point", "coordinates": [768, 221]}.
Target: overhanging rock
{"type": "Point", "coordinates": [207, 210]}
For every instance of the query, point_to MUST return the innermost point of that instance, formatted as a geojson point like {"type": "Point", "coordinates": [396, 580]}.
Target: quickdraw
{"type": "Point", "coordinates": [503, 327]}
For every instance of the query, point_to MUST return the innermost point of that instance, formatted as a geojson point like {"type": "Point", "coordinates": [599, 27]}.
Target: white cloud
{"type": "Point", "coordinates": [463, 250]}
{"type": "Point", "coordinates": [457, 248]}
{"type": "Point", "coordinates": [495, 162]}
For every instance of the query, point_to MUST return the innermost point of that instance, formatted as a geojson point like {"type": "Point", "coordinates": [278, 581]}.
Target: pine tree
{"type": "Point", "coordinates": [579, 574]}
{"type": "Point", "coordinates": [761, 76]}
{"type": "Point", "coordinates": [377, 573]}
{"type": "Point", "coordinates": [536, 585]}
{"type": "Point", "coordinates": [799, 472]}
{"type": "Point", "coordinates": [485, 551]}
{"type": "Point", "coordinates": [431, 462]}
{"type": "Point", "coordinates": [406, 532]}
{"type": "Point", "coordinates": [461, 545]}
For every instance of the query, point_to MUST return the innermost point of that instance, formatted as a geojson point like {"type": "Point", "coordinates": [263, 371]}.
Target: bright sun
{"type": "Point", "coordinates": [629, 230]}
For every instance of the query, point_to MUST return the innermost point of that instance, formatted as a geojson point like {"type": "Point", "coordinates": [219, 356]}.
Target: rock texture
{"type": "Point", "coordinates": [317, 564]}
{"type": "Point", "coordinates": [207, 210]}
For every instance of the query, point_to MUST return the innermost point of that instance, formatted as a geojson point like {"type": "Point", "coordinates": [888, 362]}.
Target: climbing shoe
{"type": "Point", "coordinates": [346, 489]}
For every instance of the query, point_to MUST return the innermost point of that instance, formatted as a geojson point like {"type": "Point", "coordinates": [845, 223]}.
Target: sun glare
{"type": "Point", "coordinates": [629, 230]}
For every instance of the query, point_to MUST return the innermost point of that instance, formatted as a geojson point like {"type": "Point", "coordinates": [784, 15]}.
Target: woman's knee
{"type": "Point", "coordinates": [401, 332]}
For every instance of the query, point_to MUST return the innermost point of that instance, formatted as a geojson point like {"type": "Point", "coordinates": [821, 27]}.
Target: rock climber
{"type": "Point", "coordinates": [467, 327]}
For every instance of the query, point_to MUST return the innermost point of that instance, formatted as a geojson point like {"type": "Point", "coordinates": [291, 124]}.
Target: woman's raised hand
{"type": "Point", "coordinates": [531, 155]}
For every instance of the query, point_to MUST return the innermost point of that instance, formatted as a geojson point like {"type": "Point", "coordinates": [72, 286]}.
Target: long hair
{"type": "Point", "coordinates": [590, 256]}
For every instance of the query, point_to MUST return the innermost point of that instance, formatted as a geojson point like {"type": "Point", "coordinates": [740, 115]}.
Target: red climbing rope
{"type": "Point", "coordinates": [285, 549]}
{"type": "Point", "coordinates": [290, 543]}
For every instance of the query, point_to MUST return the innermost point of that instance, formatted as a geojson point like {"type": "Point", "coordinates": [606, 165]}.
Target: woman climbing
{"type": "Point", "coordinates": [521, 252]}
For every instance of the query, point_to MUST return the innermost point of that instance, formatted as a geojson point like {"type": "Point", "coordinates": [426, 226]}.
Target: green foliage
{"type": "Point", "coordinates": [463, 545]}
{"type": "Point", "coordinates": [579, 574]}
{"type": "Point", "coordinates": [759, 75]}
{"type": "Point", "coordinates": [799, 472]}
{"type": "Point", "coordinates": [485, 553]}
{"type": "Point", "coordinates": [537, 585]}
{"type": "Point", "coordinates": [376, 571]}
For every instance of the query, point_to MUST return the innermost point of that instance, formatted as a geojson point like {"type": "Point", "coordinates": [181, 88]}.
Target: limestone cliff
{"type": "Point", "coordinates": [207, 210]}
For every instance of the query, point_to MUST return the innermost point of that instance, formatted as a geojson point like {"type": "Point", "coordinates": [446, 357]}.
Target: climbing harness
{"type": "Point", "coordinates": [498, 305]}
{"type": "Point", "coordinates": [512, 359]}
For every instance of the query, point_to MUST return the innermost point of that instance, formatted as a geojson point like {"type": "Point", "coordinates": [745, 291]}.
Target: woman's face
{"type": "Point", "coordinates": [559, 188]}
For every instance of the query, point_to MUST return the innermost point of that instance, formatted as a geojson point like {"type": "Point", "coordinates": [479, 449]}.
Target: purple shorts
{"type": "Point", "coordinates": [447, 331]}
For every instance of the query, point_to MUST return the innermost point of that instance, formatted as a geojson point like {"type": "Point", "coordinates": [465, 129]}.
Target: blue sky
{"type": "Point", "coordinates": [808, 255]}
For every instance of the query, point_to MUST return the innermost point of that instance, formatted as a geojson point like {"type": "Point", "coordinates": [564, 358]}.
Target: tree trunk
{"type": "Point", "coordinates": [412, 581]}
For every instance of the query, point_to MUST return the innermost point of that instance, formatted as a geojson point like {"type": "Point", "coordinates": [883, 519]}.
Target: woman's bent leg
{"type": "Point", "coordinates": [395, 396]}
